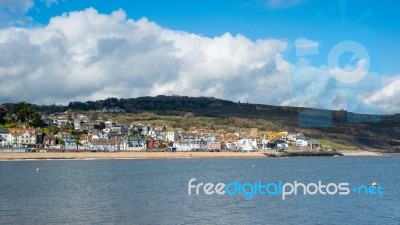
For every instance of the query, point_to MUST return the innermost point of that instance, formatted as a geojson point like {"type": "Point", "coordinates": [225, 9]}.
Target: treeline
{"type": "Point", "coordinates": [176, 105]}
{"type": "Point", "coordinates": [161, 102]}
{"type": "Point", "coordinates": [173, 105]}
{"type": "Point", "coordinates": [158, 103]}
{"type": "Point", "coordinates": [21, 113]}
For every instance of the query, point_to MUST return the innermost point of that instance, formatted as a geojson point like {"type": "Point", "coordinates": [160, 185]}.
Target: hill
{"type": "Point", "coordinates": [363, 131]}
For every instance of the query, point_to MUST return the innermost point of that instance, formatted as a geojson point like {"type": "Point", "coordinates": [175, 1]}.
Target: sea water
{"type": "Point", "coordinates": [137, 191]}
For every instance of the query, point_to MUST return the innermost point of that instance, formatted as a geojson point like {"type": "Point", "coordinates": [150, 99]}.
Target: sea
{"type": "Point", "coordinates": [156, 191]}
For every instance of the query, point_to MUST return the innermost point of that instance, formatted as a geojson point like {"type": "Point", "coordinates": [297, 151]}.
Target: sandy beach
{"type": "Point", "coordinates": [153, 155]}
{"type": "Point", "coordinates": [128, 155]}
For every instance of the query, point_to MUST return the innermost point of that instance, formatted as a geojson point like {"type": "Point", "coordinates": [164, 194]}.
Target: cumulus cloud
{"type": "Point", "coordinates": [86, 55]}
{"type": "Point", "coordinates": [318, 87]}
{"type": "Point", "coordinates": [12, 12]}
{"type": "Point", "coordinates": [386, 98]}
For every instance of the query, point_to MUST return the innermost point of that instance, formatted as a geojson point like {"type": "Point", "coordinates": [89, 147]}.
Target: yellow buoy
{"type": "Point", "coordinates": [37, 170]}
{"type": "Point", "coordinates": [374, 184]}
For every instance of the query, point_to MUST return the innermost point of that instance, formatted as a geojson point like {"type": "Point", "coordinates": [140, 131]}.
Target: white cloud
{"type": "Point", "coordinates": [12, 12]}
{"type": "Point", "coordinates": [387, 98]}
{"type": "Point", "coordinates": [316, 87]}
{"type": "Point", "coordinates": [88, 56]}
{"type": "Point", "coordinates": [50, 2]}
{"type": "Point", "coordinates": [306, 47]}
{"type": "Point", "coordinates": [17, 5]}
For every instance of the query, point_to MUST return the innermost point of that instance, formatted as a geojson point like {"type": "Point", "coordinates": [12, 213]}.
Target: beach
{"type": "Point", "coordinates": [128, 155]}
{"type": "Point", "coordinates": [152, 155]}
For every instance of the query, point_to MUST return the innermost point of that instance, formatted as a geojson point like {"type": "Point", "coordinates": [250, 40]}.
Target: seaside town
{"type": "Point", "coordinates": [71, 131]}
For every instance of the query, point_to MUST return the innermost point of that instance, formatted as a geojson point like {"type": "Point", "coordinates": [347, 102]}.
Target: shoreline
{"type": "Point", "coordinates": [129, 155]}
{"type": "Point", "coordinates": [156, 155]}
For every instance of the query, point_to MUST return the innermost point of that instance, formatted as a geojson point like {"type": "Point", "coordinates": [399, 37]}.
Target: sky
{"type": "Point", "coordinates": [332, 54]}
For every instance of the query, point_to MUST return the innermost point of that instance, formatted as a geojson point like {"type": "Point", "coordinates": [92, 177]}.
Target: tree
{"type": "Point", "coordinates": [3, 113]}
{"type": "Point", "coordinates": [61, 142]}
{"type": "Point", "coordinates": [25, 114]}
{"type": "Point", "coordinates": [53, 129]}
{"type": "Point", "coordinates": [76, 140]}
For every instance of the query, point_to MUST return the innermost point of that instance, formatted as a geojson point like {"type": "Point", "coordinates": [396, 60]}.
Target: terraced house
{"type": "Point", "coordinates": [4, 137]}
{"type": "Point", "coordinates": [23, 137]}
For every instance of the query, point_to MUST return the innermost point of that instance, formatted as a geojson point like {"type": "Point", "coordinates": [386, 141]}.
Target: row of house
{"type": "Point", "coordinates": [18, 137]}
{"type": "Point", "coordinates": [244, 144]}
{"type": "Point", "coordinates": [136, 143]}
{"type": "Point", "coordinates": [107, 140]}
{"type": "Point", "coordinates": [110, 136]}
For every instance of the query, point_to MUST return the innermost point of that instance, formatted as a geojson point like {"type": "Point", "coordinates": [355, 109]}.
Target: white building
{"type": "Point", "coordinates": [172, 136]}
{"type": "Point", "coordinates": [293, 136]}
{"type": "Point", "coordinates": [152, 134]}
{"type": "Point", "coordinates": [62, 122]}
{"type": "Point", "coordinates": [283, 145]}
{"type": "Point", "coordinates": [189, 146]}
{"type": "Point", "coordinates": [182, 146]}
{"type": "Point", "coordinates": [22, 137]}
{"type": "Point", "coordinates": [5, 137]}
{"type": "Point", "coordinates": [77, 124]}
{"type": "Point", "coordinates": [264, 144]}
{"type": "Point", "coordinates": [301, 143]}
{"type": "Point", "coordinates": [108, 124]}
{"type": "Point", "coordinates": [231, 146]}
{"type": "Point", "coordinates": [100, 135]}
{"type": "Point", "coordinates": [245, 145]}
{"type": "Point", "coordinates": [134, 144]}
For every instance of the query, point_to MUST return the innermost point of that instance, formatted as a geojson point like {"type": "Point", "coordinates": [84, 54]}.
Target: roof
{"type": "Point", "coordinates": [102, 141]}
{"type": "Point", "coordinates": [314, 142]}
{"type": "Point", "coordinates": [4, 130]}
{"type": "Point", "coordinates": [21, 130]}
{"type": "Point", "coordinates": [49, 136]}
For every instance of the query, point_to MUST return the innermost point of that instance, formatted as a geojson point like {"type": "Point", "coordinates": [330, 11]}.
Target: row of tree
{"type": "Point", "coordinates": [161, 102]}
{"type": "Point", "coordinates": [22, 113]}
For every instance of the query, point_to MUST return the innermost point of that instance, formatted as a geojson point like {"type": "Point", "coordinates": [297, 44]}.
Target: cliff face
{"type": "Point", "coordinates": [364, 131]}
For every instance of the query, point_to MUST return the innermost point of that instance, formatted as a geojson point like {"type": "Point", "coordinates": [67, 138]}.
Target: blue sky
{"type": "Point", "coordinates": [373, 23]}
{"type": "Point", "coordinates": [280, 52]}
